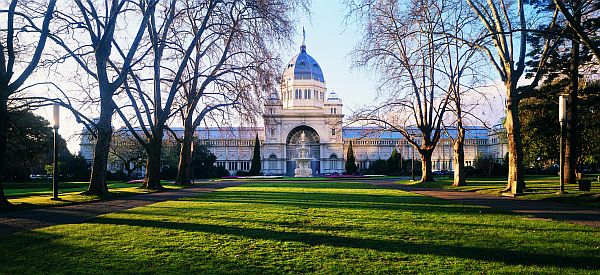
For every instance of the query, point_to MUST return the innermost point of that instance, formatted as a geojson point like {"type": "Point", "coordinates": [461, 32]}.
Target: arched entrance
{"type": "Point", "coordinates": [312, 141]}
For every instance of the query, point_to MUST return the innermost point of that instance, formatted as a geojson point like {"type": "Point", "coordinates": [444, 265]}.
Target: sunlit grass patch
{"type": "Point", "coordinates": [306, 228]}
{"type": "Point", "coordinates": [40, 196]}
{"type": "Point", "coordinates": [538, 188]}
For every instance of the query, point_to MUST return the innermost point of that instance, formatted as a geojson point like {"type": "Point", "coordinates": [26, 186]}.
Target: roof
{"type": "Point", "coordinates": [228, 132]}
{"type": "Point", "coordinates": [472, 132]}
{"type": "Point", "coordinates": [304, 67]}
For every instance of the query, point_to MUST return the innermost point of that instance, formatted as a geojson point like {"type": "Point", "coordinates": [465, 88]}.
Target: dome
{"type": "Point", "coordinates": [304, 67]}
{"type": "Point", "coordinates": [332, 96]}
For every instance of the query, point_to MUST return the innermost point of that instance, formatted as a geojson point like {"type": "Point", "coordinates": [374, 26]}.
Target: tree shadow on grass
{"type": "Point", "coordinates": [413, 203]}
{"type": "Point", "coordinates": [313, 185]}
{"type": "Point", "coordinates": [505, 256]}
{"type": "Point", "coordinates": [38, 252]}
{"type": "Point", "coordinates": [403, 202]}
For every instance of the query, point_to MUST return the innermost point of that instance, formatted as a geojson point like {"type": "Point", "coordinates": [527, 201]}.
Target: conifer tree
{"type": "Point", "coordinates": [255, 166]}
{"type": "Point", "coordinates": [351, 161]}
{"type": "Point", "coordinates": [394, 163]}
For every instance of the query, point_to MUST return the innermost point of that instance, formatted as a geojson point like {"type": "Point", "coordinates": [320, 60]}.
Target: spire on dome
{"type": "Point", "coordinates": [303, 47]}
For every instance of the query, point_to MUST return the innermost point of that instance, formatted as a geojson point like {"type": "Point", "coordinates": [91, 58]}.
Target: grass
{"type": "Point", "coordinates": [299, 179]}
{"type": "Point", "coordinates": [538, 188]}
{"type": "Point", "coordinates": [39, 194]}
{"type": "Point", "coordinates": [307, 227]}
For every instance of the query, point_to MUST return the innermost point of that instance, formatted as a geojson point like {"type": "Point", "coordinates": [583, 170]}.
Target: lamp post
{"type": "Point", "coordinates": [191, 166]}
{"type": "Point", "coordinates": [562, 117]}
{"type": "Point", "coordinates": [55, 125]}
{"type": "Point", "coordinates": [412, 164]}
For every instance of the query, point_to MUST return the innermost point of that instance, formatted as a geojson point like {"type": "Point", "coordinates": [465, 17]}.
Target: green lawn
{"type": "Point", "coordinates": [538, 188]}
{"type": "Point", "coordinates": [39, 194]}
{"type": "Point", "coordinates": [308, 227]}
{"type": "Point", "coordinates": [298, 179]}
{"type": "Point", "coordinates": [45, 188]}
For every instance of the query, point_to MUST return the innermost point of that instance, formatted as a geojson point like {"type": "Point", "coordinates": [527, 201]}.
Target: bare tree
{"type": "Point", "coordinates": [401, 41]}
{"type": "Point", "coordinates": [90, 32]}
{"type": "Point", "coordinates": [459, 67]}
{"type": "Point", "coordinates": [505, 24]}
{"type": "Point", "coordinates": [232, 68]}
{"type": "Point", "coordinates": [127, 150]}
{"type": "Point", "coordinates": [206, 54]}
{"type": "Point", "coordinates": [148, 85]}
{"type": "Point", "coordinates": [16, 62]}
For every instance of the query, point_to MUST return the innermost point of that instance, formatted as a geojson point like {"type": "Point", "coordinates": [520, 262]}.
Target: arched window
{"type": "Point", "coordinates": [333, 160]}
{"type": "Point", "coordinates": [272, 161]}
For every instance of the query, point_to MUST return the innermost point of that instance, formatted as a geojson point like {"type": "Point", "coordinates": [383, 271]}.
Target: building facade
{"type": "Point", "coordinates": [304, 104]}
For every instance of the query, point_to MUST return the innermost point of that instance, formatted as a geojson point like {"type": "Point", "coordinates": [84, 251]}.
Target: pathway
{"type": "Point", "coordinates": [15, 221]}
{"type": "Point", "coordinates": [538, 209]}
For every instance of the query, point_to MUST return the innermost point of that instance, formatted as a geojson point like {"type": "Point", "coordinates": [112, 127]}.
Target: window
{"type": "Point", "coordinates": [305, 94]}
{"type": "Point", "coordinates": [322, 97]}
{"type": "Point", "coordinates": [333, 131]}
{"type": "Point", "coordinates": [308, 93]}
{"type": "Point", "coordinates": [272, 161]}
{"type": "Point", "coordinates": [272, 131]}
{"type": "Point", "coordinates": [316, 94]}
{"type": "Point", "coordinates": [333, 161]}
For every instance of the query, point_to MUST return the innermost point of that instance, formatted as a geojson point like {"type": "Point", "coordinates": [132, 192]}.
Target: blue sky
{"type": "Point", "coordinates": [330, 42]}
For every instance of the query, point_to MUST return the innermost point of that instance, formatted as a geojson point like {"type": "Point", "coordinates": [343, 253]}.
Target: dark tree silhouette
{"type": "Point", "coordinates": [350, 161]}
{"type": "Point", "coordinates": [256, 161]}
{"type": "Point", "coordinates": [11, 57]}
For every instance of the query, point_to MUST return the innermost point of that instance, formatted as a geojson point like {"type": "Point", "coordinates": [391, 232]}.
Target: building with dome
{"type": "Point", "coordinates": [303, 104]}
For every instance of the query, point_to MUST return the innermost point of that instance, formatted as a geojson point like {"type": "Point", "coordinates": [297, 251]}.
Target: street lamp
{"type": "Point", "coordinates": [412, 164]}
{"type": "Point", "coordinates": [562, 117]}
{"type": "Point", "coordinates": [55, 125]}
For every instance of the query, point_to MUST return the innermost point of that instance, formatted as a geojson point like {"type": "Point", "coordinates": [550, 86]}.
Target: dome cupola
{"type": "Point", "coordinates": [303, 84]}
{"type": "Point", "coordinates": [304, 67]}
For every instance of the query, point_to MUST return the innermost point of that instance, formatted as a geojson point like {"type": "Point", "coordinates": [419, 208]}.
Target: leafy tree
{"type": "Point", "coordinates": [350, 161]}
{"type": "Point", "coordinates": [203, 161]}
{"type": "Point", "coordinates": [74, 168]}
{"type": "Point", "coordinates": [569, 60]}
{"type": "Point", "coordinates": [488, 167]}
{"type": "Point", "coordinates": [378, 167]}
{"type": "Point", "coordinates": [255, 165]}
{"type": "Point", "coordinates": [541, 135]}
{"type": "Point", "coordinates": [394, 163]}
{"type": "Point", "coordinates": [30, 141]}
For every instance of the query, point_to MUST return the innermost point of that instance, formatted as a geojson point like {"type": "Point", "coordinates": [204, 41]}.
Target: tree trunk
{"type": "Point", "coordinates": [3, 140]}
{"type": "Point", "coordinates": [184, 167]}
{"type": "Point", "coordinates": [426, 164]}
{"type": "Point", "coordinates": [459, 160]}
{"type": "Point", "coordinates": [153, 166]}
{"type": "Point", "coordinates": [104, 135]}
{"type": "Point", "coordinates": [570, 148]}
{"type": "Point", "coordinates": [515, 184]}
